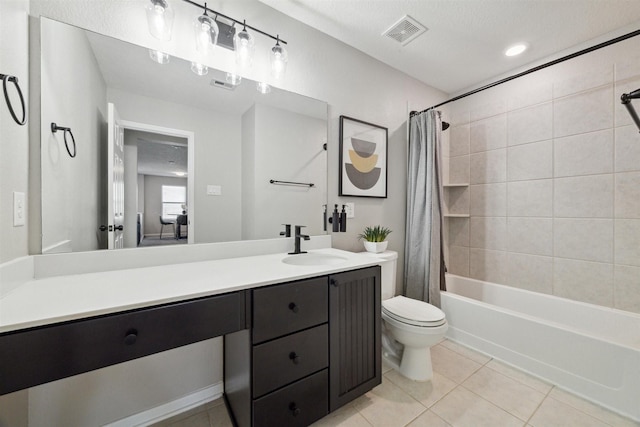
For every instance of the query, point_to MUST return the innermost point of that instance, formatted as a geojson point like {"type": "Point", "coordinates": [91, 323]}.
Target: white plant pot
{"type": "Point", "coordinates": [376, 247]}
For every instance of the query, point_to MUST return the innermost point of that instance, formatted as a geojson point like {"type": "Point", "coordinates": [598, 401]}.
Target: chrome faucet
{"type": "Point", "coordinates": [297, 237]}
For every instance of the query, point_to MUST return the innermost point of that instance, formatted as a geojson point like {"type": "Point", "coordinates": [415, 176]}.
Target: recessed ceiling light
{"type": "Point", "coordinates": [516, 49]}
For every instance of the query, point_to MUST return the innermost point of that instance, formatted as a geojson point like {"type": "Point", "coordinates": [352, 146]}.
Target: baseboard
{"type": "Point", "coordinates": [172, 408]}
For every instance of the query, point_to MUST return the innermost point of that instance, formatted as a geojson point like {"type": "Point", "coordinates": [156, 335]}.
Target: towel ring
{"type": "Point", "coordinates": [14, 80]}
{"type": "Point", "coordinates": [55, 128]}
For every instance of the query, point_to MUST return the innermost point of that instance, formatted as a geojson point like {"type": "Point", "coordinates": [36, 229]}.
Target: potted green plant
{"type": "Point", "coordinates": [375, 238]}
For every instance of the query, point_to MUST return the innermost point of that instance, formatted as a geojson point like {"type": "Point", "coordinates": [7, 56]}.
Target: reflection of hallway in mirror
{"type": "Point", "coordinates": [156, 241]}
{"type": "Point", "coordinates": [156, 181]}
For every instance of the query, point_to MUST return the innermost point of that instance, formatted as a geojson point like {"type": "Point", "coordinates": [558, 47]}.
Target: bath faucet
{"type": "Point", "coordinates": [297, 238]}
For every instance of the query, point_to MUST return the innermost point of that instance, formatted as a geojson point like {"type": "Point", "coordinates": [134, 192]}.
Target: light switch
{"type": "Point", "coordinates": [214, 190]}
{"type": "Point", "coordinates": [350, 208]}
{"type": "Point", "coordinates": [19, 209]}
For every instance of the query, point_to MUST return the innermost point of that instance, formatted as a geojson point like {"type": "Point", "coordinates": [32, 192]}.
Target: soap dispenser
{"type": "Point", "coordinates": [335, 220]}
{"type": "Point", "coordinates": [343, 219]}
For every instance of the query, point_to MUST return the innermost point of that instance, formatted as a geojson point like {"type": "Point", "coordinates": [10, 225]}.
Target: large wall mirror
{"type": "Point", "coordinates": [192, 149]}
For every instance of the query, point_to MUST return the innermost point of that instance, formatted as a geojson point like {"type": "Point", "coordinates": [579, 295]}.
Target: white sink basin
{"type": "Point", "coordinates": [314, 259]}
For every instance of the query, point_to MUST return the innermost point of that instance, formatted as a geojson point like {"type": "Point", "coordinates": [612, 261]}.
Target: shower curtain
{"type": "Point", "coordinates": [423, 257]}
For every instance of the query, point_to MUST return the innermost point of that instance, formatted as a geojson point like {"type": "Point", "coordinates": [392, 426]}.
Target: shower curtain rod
{"type": "Point", "coordinates": [533, 70]}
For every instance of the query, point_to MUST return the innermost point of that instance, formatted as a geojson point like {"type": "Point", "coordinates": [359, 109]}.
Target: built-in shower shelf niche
{"type": "Point", "coordinates": [454, 191]}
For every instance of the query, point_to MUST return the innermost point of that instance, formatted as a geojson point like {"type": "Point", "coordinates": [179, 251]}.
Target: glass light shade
{"type": "Point", "coordinates": [199, 69]}
{"type": "Point", "coordinates": [263, 88]}
{"type": "Point", "coordinates": [234, 79]}
{"type": "Point", "coordinates": [159, 57]}
{"type": "Point", "coordinates": [160, 19]}
{"type": "Point", "coordinates": [245, 45]}
{"type": "Point", "coordinates": [279, 59]}
{"type": "Point", "coordinates": [206, 32]}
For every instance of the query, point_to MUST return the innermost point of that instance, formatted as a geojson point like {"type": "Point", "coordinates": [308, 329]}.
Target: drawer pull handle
{"type": "Point", "coordinates": [294, 357]}
{"type": "Point", "coordinates": [131, 337]}
{"type": "Point", "coordinates": [294, 409]}
{"type": "Point", "coordinates": [293, 307]}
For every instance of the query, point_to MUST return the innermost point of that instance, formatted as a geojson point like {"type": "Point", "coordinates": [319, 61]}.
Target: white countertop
{"type": "Point", "coordinates": [51, 300]}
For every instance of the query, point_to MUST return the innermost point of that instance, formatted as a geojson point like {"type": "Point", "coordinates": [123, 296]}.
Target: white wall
{"type": "Point", "coordinates": [72, 192]}
{"type": "Point", "coordinates": [14, 139]}
{"type": "Point", "coordinates": [553, 160]}
{"type": "Point", "coordinates": [217, 159]}
{"type": "Point", "coordinates": [130, 193]}
{"type": "Point", "coordinates": [287, 147]}
{"type": "Point", "coordinates": [248, 172]}
{"type": "Point", "coordinates": [321, 67]}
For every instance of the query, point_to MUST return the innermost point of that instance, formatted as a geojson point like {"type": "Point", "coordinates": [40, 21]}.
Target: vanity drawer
{"type": "Point", "coordinates": [40, 355]}
{"type": "Point", "coordinates": [283, 309]}
{"type": "Point", "coordinates": [299, 404]}
{"type": "Point", "coordinates": [285, 360]}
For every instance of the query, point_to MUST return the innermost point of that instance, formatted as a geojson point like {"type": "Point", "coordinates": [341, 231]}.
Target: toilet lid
{"type": "Point", "coordinates": [413, 312]}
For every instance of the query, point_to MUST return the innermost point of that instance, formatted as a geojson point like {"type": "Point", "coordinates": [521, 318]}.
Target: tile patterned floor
{"type": "Point", "coordinates": [468, 389]}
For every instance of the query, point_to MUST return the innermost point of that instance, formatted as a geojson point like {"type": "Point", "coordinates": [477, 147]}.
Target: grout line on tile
{"type": "Point", "coordinates": [539, 405]}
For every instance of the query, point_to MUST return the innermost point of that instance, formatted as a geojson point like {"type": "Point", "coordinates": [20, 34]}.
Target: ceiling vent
{"type": "Point", "coordinates": [405, 30]}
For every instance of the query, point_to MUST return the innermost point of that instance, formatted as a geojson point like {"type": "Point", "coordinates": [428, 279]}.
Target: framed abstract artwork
{"type": "Point", "coordinates": [363, 159]}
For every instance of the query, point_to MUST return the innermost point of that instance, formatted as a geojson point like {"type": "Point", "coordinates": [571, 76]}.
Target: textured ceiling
{"type": "Point", "coordinates": [466, 38]}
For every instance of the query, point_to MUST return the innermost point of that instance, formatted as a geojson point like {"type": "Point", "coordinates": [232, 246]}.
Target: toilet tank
{"type": "Point", "coordinates": [388, 264]}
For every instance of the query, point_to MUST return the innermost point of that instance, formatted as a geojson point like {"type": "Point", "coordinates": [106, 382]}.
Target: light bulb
{"type": "Point", "coordinates": [206, 33]}
{"type": "Point", "coordinates": [159, 57]}
{"type": "Point", "coordinates": [159, 19]}
{"type": "Point", "coordinates": [263, 88]}
{"type": "Point", "coordinates": [234, 79]}
{"type": "Point", "coordinates": [199, 69]}
{"type": "Point", "coordinates": [245, 46]}
{"type": "Point", "coordinates": [279, 59]}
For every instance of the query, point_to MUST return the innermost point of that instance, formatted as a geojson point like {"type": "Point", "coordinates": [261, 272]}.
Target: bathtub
{"type": "Point", "coordinates": [590, 350]}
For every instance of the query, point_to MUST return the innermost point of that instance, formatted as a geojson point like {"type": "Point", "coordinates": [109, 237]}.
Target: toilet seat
{"type": "Point", "coordinates": [413, 312]}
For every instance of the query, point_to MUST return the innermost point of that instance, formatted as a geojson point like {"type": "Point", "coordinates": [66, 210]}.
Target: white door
{"type": "Point", "coordinates": [115, 177]}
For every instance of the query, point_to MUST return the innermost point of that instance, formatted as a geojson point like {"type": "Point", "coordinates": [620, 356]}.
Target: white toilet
{"type": "Point", "coordinates": [410, 327]}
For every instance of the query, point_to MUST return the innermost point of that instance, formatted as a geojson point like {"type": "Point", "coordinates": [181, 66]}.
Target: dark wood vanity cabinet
{"type": "Point", "coordinates": [38, 355]}
{"type": "Point", "coordinates": [313, 346]}
{"type": "Point", "coordinates": [355, 335]}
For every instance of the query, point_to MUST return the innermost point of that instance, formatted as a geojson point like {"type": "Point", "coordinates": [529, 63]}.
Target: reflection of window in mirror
{"type": "Point", "coordinates": [173, 198]}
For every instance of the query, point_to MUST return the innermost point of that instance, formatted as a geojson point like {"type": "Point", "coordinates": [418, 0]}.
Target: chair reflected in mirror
{"type": "Point", "coordinates": [180, 221]}
{"type": "Point", "coordinates": [164, 222]}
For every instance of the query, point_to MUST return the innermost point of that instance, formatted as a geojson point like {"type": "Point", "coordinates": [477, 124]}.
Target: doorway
{"type": "Point", "coordinates": [159, 185]}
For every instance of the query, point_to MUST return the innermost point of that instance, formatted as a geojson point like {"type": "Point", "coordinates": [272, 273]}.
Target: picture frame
{"type": "Point", "coordinates": [363, 159]}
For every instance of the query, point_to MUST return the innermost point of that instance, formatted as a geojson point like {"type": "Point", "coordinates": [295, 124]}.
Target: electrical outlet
{"type": "Point", "coordinates": [19, 209]}
{"type": "Point", "coordinates": [350, 208]}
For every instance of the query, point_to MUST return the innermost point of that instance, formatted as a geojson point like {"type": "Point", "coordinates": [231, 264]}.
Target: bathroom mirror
{"type": "Point", "coordinates": [194, 146]}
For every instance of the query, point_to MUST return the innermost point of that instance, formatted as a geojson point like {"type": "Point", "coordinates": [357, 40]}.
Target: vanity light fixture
{"type": "Point", "coordinates": [160, 19]}
{"type": "Point", "coordinates": [516, 49]}
{"type": "Point", "coordinates": [211, 32]}
{"type": "Point", "coordinates": [199, 69]}
{"type": "Point", "coordinates": [279, 59]}
{"type": "Point", "coordinates": [263, 88]}
{"type": "Point", "coordinates": [234, 79]}
{"type": "Point", "coordinates": [245, 45]}
{"type": "Point", "coordinates": [206, 32]}
{"type": "Point", "coordinates": [159, 57]}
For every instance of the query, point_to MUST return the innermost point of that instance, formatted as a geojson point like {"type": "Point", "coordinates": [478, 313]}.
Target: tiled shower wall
{"type": "Point", "coordinates": [553, 166]}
